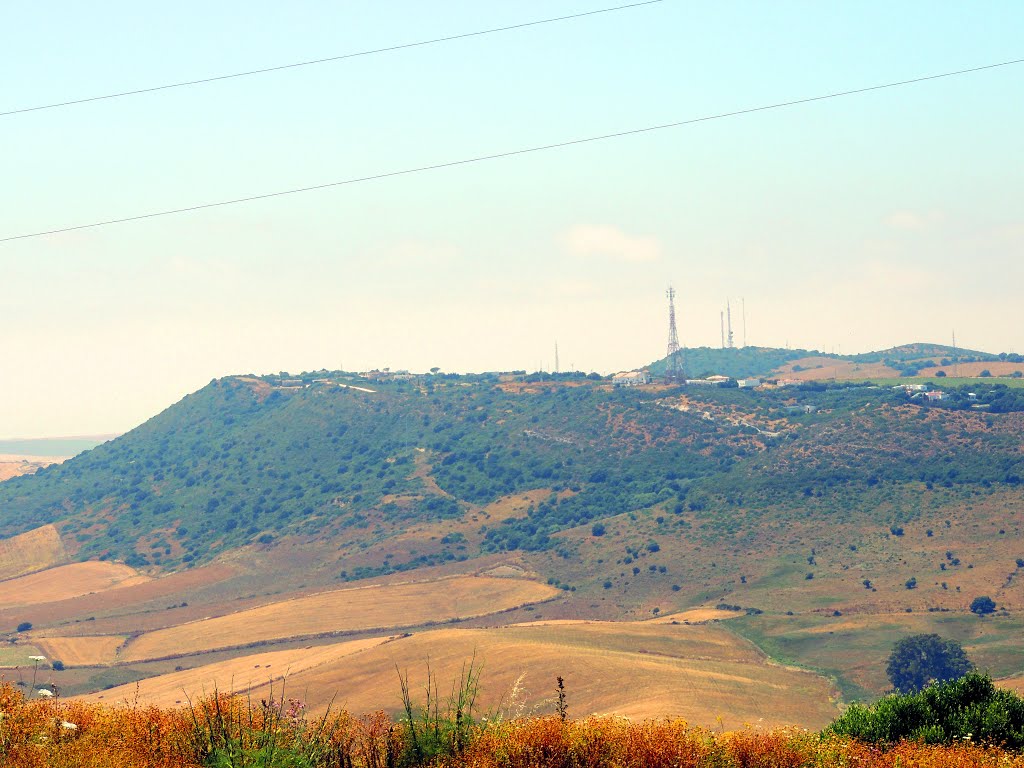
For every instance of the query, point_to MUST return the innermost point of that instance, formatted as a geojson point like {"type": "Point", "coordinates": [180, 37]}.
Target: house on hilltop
{"type": "Point", "coordinates": [631, 378]}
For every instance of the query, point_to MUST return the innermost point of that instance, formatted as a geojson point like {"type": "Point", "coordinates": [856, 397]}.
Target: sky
{"type": "Point", "coordinates": [846, 225]}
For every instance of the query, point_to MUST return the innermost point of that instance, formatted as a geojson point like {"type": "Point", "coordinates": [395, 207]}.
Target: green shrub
{"type": "Point", "coordinates": [970, 708]}
{"type": "Point", "coordinates": [982, 605]}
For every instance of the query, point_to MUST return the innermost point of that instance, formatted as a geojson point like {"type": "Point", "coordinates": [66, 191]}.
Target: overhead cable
{"type": "Point", "coordinates": [295, 65]}
{"type": "Point", "coordinates": [513, 152]}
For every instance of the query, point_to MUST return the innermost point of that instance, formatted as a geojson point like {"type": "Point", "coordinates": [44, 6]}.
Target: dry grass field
{"type": "Point", "coordinates": [343, 610]}
{"type": "Point", "coordinates": [820, 368]}
{"type": "Point", "coordinates": [132, 606]}
{"type": "Point", "coordinates": [16, 466]}
{"type": "Point", "coordinates": [696, 616]}
{"type": "Point", "coordinates": [30, 551]}
{"type": "Point", "coordinates": [81, 651]}
{"type": "Point", "coordinates": [68, 581]}
{"type": "Point", "coordinates": [817, 368]}
{"type": "Point", "coordinates": [238, 675]}
{"type": "Point", "coordinates": [1015, 684]}
{"type": "Point", "coordinates": [704, 674]}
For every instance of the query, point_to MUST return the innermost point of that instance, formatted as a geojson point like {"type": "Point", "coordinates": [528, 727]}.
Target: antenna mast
{"type": "Point", "coordinates": [728, 316]}
{"type": "Point", "coordinates": [673, 368]}
{"type": "Point", "coordinates": [556, 357]}
{"type": "Point", "coordinates": [721, 319]}
{"type": "Point", "coordinates": [744, 302]}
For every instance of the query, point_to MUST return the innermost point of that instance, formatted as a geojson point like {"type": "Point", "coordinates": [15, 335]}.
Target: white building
{"type": "Point", "coordinates": [631, 378]}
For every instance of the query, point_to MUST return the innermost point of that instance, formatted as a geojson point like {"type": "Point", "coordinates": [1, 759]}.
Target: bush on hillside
{"type": "Point", "coordinates": [982, 605]}
{"type": "Point", "coordinates": [968, 709]}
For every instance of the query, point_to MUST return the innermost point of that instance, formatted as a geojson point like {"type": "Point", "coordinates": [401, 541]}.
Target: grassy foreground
{"type": "Point", "coordinates": [225, 731]}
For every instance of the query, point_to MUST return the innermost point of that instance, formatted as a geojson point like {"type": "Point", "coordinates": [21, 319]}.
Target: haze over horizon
{"type": "Point", "coordinates": [853, 224]}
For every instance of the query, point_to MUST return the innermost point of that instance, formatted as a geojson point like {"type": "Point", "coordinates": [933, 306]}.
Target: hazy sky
{"type": "Point", "coordinates": [851, 224]}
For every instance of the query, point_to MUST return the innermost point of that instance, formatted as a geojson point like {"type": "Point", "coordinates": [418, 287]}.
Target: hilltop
{"type": "Point", "coordinates": [904, 360]}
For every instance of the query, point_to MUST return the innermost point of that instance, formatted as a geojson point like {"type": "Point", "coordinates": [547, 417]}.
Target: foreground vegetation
{"type": "Point", "coordinates": [230, 731]}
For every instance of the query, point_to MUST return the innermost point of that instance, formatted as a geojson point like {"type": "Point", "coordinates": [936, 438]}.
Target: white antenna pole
{"type": "Point", "coordinates": [744, 301]}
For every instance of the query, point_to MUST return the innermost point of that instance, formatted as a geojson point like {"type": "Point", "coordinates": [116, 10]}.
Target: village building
{"type": "Point", "coordinates": [631, 378]}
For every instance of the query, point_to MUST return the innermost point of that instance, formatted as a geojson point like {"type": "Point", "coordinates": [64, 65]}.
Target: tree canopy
{"type": "Point", "coordinates": [918, 660]}
{"type": "Point", "coordinates": [968, 708]}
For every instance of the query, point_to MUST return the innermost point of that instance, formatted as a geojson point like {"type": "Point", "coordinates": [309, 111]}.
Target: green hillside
{"type": "Point", "coordinates": [248, 461]}
{"type": "Point", "coordinates": [245, 460]}
{"type": "Point", "coordinates": [908, 353]}
{"type": "Point", "coordinates": [737, 362]}
{"type": "Point", "coordinates": [741, 362]}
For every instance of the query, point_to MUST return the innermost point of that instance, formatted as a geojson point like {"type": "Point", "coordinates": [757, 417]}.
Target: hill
{"type": "Point", "coordinates": [795, 505]}
{"type": "Point", "coordinates": [245, 461]}
{"type": "Point", "coordinates": [904, 360]}
{"type": "Point", "coordinates": [737, 362]}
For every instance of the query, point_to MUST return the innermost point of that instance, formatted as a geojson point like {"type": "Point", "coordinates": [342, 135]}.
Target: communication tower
{"type": "Point", "coordinates": [728, 317]}
{"type": "Point", "coordinates": [673, 364]}
{"type": "Point", "coordinates": [744, 301]}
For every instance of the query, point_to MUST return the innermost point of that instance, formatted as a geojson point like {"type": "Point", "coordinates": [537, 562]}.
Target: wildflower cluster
{"type": "Point", "coordinates": [233, 731]}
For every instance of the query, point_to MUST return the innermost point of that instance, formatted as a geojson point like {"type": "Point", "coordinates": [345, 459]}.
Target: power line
{"type": "Point", "coordinates": [511, 153]}
{"type": "Point", "coordinates": [329, 59]}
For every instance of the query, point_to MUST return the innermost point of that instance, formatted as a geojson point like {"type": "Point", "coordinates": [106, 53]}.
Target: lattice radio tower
{"type": "Point", "coordinates": [674, 367]}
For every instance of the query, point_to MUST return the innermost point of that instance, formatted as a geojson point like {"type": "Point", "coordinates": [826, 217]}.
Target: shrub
{"type": "Point", "coordinates": [982, 605]}
{"type": "Point", "coordinates": [25, 626]}
{"type": "Point", "coordinates": [970, 708]}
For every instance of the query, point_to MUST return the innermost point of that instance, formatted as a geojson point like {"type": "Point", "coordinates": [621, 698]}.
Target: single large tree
{"type": "Point", "coordinates": [918, 660]}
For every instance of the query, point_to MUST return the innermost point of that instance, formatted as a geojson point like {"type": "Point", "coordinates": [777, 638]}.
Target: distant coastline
{"type": "Point", "coordinates": [52, 447]}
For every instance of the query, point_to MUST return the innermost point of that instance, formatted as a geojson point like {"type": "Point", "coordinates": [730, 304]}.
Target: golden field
{"type": "Point", "coordinates": [81, 651]}
{"type": "Point", "coordinates": [68, 581]}
{"type": "Point", "coordinates": [30, 551]}
{"type": "Point", "coordinates": [250, 673]}
{"type": "Point", "coordinates": [13, 465]}
{"type": "Point", "coordinates": [701, 673]}
{"type": "Point", "coordinates": [343, 610]}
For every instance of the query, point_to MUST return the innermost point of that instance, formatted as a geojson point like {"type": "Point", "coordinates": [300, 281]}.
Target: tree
{"type": "Point", "coordinates": [918, 660]}
{"type": "Point", "coordinates": [982, 605]}
{"type": "Point", "coordinates": [970, 708]}
{"type": "Point", "coordinates": [25, 626]}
